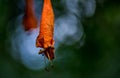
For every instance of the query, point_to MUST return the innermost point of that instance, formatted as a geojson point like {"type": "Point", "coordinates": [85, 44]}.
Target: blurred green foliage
{"type": "Point", "coordinates": [99, 57]}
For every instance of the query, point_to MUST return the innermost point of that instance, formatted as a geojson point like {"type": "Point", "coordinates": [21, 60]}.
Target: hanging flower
{"type": "Point", "coordinates": [45, 38]}
{"type": "Point", "coordinates": [29, 19]}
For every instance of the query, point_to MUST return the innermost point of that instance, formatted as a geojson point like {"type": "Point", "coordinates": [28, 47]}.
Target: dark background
{"type": "Point", "coordinates": [99, 57]}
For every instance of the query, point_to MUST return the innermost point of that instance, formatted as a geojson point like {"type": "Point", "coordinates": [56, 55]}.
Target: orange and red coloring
{"type": "Point", "coordinates": [45, 38]}
{"type": "Point", "coordinates": [29, 19]}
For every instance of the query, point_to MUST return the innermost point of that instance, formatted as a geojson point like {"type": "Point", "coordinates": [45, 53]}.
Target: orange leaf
{"type": "Point", "coordinates": [29, 19]}
{"type": "Point", "coordinates": [45, 38]}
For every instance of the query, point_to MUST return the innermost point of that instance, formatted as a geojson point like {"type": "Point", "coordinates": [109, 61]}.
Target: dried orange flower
{"type": "Point", "coordinates": [45, 38]}
{"type": "Point", "coordinates": [29, 19]}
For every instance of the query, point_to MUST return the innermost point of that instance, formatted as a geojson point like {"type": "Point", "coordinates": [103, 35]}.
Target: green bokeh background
{"type": "Point", "coordinates": [99, 57]}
